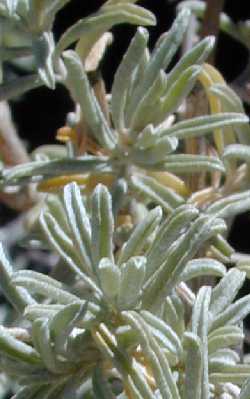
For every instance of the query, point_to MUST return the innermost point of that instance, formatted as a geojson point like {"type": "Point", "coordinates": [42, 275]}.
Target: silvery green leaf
{"type": "Point", "coordinates": [64, 317]}
{"type": "Point", "coordinates": [173, 314]}
{"type": "Point", "coordinates": [124, 77]}
{"type": "Point", "coordinates": [118, 192]}
{"type": "Point", "coordinates": [226, 355]}
{"type": "Point", "coordinates": [109, 275]}
{"type": "Point", "coordinates": [193, 375]}
{"type": "Point", "coordinates": [237, 378]}
{"type": "Point", "coordinates": [16, 87]}
{"type": "Point", "coordinates": [232, 102]}
{"type": "Point", "coordinates": [17, 349]}
{"type": "Point", "coordinates": [163, 333]}
{"type": "Point", "coordinates": [197, 55]}
{"type": "Point", "coordinates": [55, 207]}
{"type": "Point", "coordinates": [169, 232]}
{"type": "Point", "coordinates": [33, 312]}
{"type": "Point", "coordinates": [62, 324]}
{"type": "Point", "coordinates": [79, 223]}
{"type": "Point", "coordinates": [230, 205]}
{"type": "Point", "coordinates": [146, 138]}
{"type": "Point", "coordinates": [95, 25]}
{"type": "Point", "coordinates": [201, 125]}
{"type": "Point", "coordinates": [157, 360]}
{"type": "Point", "coordinates": [140, 235]}
{"type": "Point", "coordinates": [17, 296]}
{"type": "Point", "coordinates": [43, 170]}
{"type": "Point", "coordinates": [102, 225]}
{"type": "Point", "coordinates": [161, 57]}
{"type": "Point", "coordinates": [223, 337]}
{"type": "Point", "coordinates": [233, 314]}
{"type": "Point", "coordinates": [225, 291]}
{"type": "Point", "coordinates": [182, 163]}
{"type": "Point", "coordinates": [200, 328]}
{"type": "Point", "coordinates": [202, 267]}
{"type": "Point", "coordinates": [244, 266]}
{"type": "Point", "coordinates": [177, 92]}
{"type": "Point", "coordinates": [63, 245]}
{"type": "Point", "coordinates": [177, 256]}
{"type": "Point", "coordinates": [131, 281]}
{"type": "Point", "coordinates": [156, 192]}
{"type": "Point", "coordinates": [43, 50]}
{"type": "Point", "coordinates": [43, 344]}
{"type": "Point", "coordinates": [101, 388]}
{"type": "Point", "coordinates": [245, 390]}
{"type": "Point", "coordinates": [238, 152]}
{"type": "Point", "coordinates": [81, 91]}
{"type": "Point", "coordinates": [145, 109]}
{"type": "Point", "coordinates": [156, 154]}
{"type": "Point", "coordinates": [46, 289]}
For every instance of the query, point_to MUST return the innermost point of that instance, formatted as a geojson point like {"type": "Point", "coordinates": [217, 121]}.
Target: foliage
{"type": "Point", "coordinates": [135, 213]}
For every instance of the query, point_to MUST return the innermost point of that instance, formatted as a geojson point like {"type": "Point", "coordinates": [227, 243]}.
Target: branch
{"type": "Point", "coordinates": [211, 21]}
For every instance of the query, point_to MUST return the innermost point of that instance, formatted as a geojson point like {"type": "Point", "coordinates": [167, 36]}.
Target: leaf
{"type": "Point", "coordinates": [228, 336]}
{"type": "Point", "coordinates": [167, 234]}
{"type": "Point", "coordinates": [43, 51]}
{"type": "Point", "coordinates": [145, 109]}
{"type": "Point", "coordinates": [182, 163]}
{"type": "Point", "coordinates": [124, 77]}
{"type": "Point", "coordinates": [161, 58]}
{"type": "Point", "coordinates": [17, 296]}
{"type": "Point", "coordinates": [202, 267]}
{"type": "Point", "coordinates": [161, 329]}
{"type": "Point", "coordinates": [177, 92]}
{"type": "Point", "coordinates": [238, 152]}
{"type": "Point", "coordinates": [225, 291]}
{"type": "Point", "coordinates": [95, 25]}
{"type": "Point", "coordinates": [201, 125]}
{"type": "Point", "coordinates": [179, 253]}
{"type": "Point", "coordinates": [140, 235]}
{"type": "Point", "coordinates": [41, 170]}
{"type": "Point", "coordinates": [231, 102]}
{"type": "Point", "coordinates": [110, 276]}
{"type": "Point", "coordinates": [156, 192]}
{"type": "Point", "coordinates": [197, 55]}
{"type": "Point", "coordinates": [63, 245]}
{"type": "Point", "coordinates": [79, 223]}
{"type": "Point", "coordinates": [17, 349]}
{"type": "Point", "coordinates": [157, 360]}
{"type": "Point", "coordinates": [157, 153]}
{"type": "Point", "coordinates": [42, 341]}
{"type": "Point", "coordinates": [46, 289]}
{"type": "Point", "coordinates": [81, 91]}
{"type": "Point", "coordinates": [245, 390]}
{"type": "Point", "coordinates": [193, 375]}
{"type": "Point", "coordinates": [102, 225]}
{"type": "Point", "coordinates": [131, 281]}
{"type": "Point", "coordinates": [233, 314]}
{"type": "Point", "coordinates": [200, 328]}
{"type": "Point", "coordinates": [230, 205]}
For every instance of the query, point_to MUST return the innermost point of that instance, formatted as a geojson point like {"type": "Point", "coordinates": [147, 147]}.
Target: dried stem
{"type": "Point", "coordinates": [211, 22]}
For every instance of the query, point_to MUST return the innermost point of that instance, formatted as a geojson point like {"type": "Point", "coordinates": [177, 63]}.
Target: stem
{"type": "Point", "coordinates": [211, 22]}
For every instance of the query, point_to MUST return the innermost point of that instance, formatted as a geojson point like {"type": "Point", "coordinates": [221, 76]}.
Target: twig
{"type": "Point", "coordinates": [12, 150]}
{"type": "Point", "coordinates": [211, 21]}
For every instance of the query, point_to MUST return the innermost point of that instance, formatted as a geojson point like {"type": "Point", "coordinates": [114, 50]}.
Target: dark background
{"type": "Point", "coordinates": [40, 112]}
